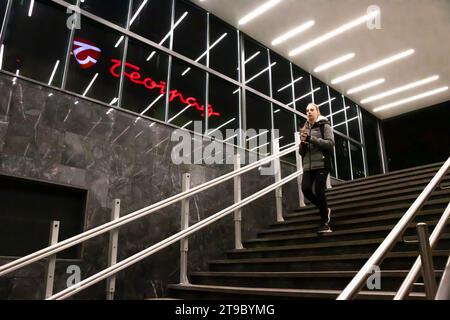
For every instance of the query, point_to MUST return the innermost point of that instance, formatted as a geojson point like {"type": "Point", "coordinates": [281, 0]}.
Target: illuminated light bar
{"type": "Point", "coordinates": [30, 10]}
{"type": "Point", "coordinates": [2, 49]}
{"type": "Point", "coordinates": [334, 62]}
{"type": "Point", "coordinates": [262, 133]}
{"type": "Point", "coordinates": [137, 119]}
{"type": "Point", "coordinates": [373, 66]}
{"type": "Point", "coordinates": [290, 84]}
{"type": "Point", "coordinates": [293, 32]}
{"type": "Point", "coordinates": [175, 116]}
{"type": "Point", "coordinates": [333, 33]}
{"type": "Point", "coordinates": [138, 11]}
{"type": "Point", "coordinates": [53, 73]}
{"type": "Point", "coordinates": [304, 96]}
{"type": "Point", "coordinates": [109, 111]}
{"type": "Point", "coordinates": [187, 124]}
{"type": "Point", "coordinates": [169, 33]}
{"type": "Point", "coordinates": [114, 100]}
{"type": "Point", "coordinates": [326, 102]}
{"type": "Point", "coordinates": [400, 89]}
{"type": "Point", "coordinates": [90, 85]}
{"type": "Point", "coordinates": [152, 104]}
{"type": "Point", "coordinates": [260, 73]}
{"type": "Point", "coordinates": [340, 124]}
{"type": "Point", "coordinates": [251, 58]}
{"type": "Point", "coordinates": [258, 11]}
{"type": "Point", "coordinates": [221, 126]}
{"type": "Point", "coordinates": [230, 138]}
{"type": "Point", "coordinates": [263, 145]}
{"type": "Point", "coordinates": [276, 111]}
{"type": "Point", "coordinates": [366, 86]}
{"type": "Point", "coordinates": [119, 42]}
{"type": "Point", "coordinates": [417, 97]}
{"type": "Point", "coordinates": [204, 53]}
{"type": "Point", "coordinates": [337, 112]}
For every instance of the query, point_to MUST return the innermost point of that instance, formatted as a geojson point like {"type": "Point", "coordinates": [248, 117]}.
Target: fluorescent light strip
{"type": "Point", "coordinates": [293, 32]}
{"type": "Point", "coordinates": [53, 73]}
{"type": "Point", "coordinates": [90, 84]}
{"type": "Point", "coordinates": [373, 66]}
{"type": "Point", "coordinates": [30, 10]}
{"type": "Point", "coordinates": [119, 42]}
{"type": "Point", "coordinates": [333, 33]}
{"type": "Point", "coordinates": [153, 103]}
{"type": "Point", "coordinates": [417, 97]}
{"type": "Point", "coordinates": [260, 73]}
{"type": "Point", "coordinates": [263, 145]}
{"type": "Point", "coordinates": [258, 11]}
{"type": "Point", "coordinates": [173, 118]}
{"type": "Point", "coordinates": [337, 112]}
{"type": "Point", "coordinates": [2, 48]}
{"type": "Point", "coordinates": [221, 126]}
{"type": "Point", "coordinates": [230, 138]}
{"type": "Point", "coordinates": [262, 133]}
{"type": "Point", "coordinates": [334, 62]}
{"type": "Point", "coordinates": [187, 124]}
{"type": "Point", "coordinates": [276, 111]}
{"type": "Point", "coordinates": [340, 124]}
{"type": "Point", "coordinates": [290, 84]}
{"type": "Point", "coordinates": [304, 96]}
{"type": "Point", "coordinates": [169, 33]}
{"type": "Point", "coordinates": [137, 119]}
{"type": "Point", "coordinates": [251, 58]}
{"type": "Point", "coordinates": [326, 102]}
{"type": "Point", "coordinates": [400, 89]}
{"type": "Point", "coordinates": [138, 11]}
{"type": "Point", "coordinates": [114, 100]}
{"type": "Point", "coordinates": [366, 86]}
{"type": "Point", "coordinates": [204, 53]}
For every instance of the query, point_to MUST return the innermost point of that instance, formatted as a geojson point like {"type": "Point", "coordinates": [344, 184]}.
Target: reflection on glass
{"type": "Point", "coordinates": [35, 42]}
{"type": "Point", "coordinates": [357, 161]}
{"type": "Point", "coordinates": [338, 112]}
{"type": "Point", "coordinates": [372, 143]}
{"type": "Point", "coordinates": [259, 122]}
{"type": "Point", "coordinates": [256, 66]}
{"type": "Point", "coordinates": [189, 39]}
{"type": "Point", "coordinates": [321, 97]}
{"type": "Point", "coordinates": [302, 89]}
{"type": "Point", "coordinates": [144, 87]}
{"type": "Point", "coordinates": [187, 97]}
{"type": "Point", "coordinates": [281, 79]}
{"type": "Point", "coordinates": [95, 63]}
{"type": "Point", "coordinates": [226, 103]}
{"type": "Point", "coordinates": [342, 157]}
{"type": "Point", "coordinates": [115, 11]}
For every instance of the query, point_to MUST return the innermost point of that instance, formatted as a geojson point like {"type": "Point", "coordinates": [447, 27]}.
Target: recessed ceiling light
{"type": "Point", "coordinates": [334, 33]}
{"type": "Point", "coordinates": [373, 66]}
{"type": "Point", "coordinates": [366, 86]}
{"type": "Point", "coordinates": [400, 89]}
{"type": "Point", "coordinates": [293, 32]}
{"type": "Point", "coordinates": [417, 97]}
{"type": "Point", "coordinates": [334, 62]}
{"type": "Point", "coordinates": [258, 11]}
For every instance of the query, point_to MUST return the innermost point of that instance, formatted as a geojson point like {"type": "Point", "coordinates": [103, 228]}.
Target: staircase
{"type": "Point", "coordinates": [288, 260]}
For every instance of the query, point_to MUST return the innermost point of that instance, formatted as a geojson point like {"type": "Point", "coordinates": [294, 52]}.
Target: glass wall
{"type": "Point", "coordinates": [195, 75]}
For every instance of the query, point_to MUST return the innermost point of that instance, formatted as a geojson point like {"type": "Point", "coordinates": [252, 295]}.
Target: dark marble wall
{"type": "Point", "coordinates": [57, 137]}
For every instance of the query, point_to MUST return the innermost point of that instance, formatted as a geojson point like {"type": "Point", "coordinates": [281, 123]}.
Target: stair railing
{"type": "Point", "coordinates": [182, 235]}
{"type": "Point", "coordinates": [386, 246]}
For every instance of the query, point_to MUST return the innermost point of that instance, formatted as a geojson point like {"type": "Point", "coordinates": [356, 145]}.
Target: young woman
{"type": "Point", "coordinates": [317, 143]}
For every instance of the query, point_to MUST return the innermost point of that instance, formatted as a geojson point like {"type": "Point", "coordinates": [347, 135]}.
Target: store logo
{"type": "Point", "coordinates": [85, 52]}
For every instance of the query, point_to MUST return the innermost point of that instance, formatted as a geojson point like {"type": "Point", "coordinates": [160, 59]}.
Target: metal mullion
{"type": "Point", "coordinates": [69, 46]}
{"type": "Point", "coordinates": [363, 141]}
{"type": "Point", "coordinates": [272, 117]}
{"type": "Point", "coordinates": [205, 110]}
{"type": "Point", "coordinates": [331, 120]}
{"type": "Point", "coordinates": [243, 90]}
{"type": "Point", "coordinates": [348, 141]}
{"type": "Point", "coordinates": [382, 148]}
{"type": "Point", "coordinates": [125, 54]}
{"type": "Point", "coordinates": [169, 64]}
{"type": "Point", "coordinates": [5, 21]}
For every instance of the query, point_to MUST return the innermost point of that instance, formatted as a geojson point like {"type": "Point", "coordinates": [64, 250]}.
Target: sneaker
{"type": "Point", "coordinates": [324, 229]}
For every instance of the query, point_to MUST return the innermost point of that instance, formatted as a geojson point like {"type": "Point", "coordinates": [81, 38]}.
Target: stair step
{"type": "Point", "coordinates": [280, 293]}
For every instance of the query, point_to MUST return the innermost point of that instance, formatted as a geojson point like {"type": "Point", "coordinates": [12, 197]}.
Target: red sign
{"type": "Point", "coordinates": [132, 72]}
{"type": "Point", "coordinates": [85, 52]}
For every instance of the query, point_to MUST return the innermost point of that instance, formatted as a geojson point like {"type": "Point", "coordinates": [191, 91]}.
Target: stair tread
{"type": "Point", "coordinates": [299, 274]}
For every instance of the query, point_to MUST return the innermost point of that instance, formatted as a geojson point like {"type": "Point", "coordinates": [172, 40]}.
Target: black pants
{"type": "Point", "coordinates": [318, 198]}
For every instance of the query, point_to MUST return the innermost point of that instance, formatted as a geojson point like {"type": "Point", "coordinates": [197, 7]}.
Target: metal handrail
{"type": "Point", "coordinates": [443, 292]}
{"type": "Point", "coordinates": [168, 241]}
{"type": "Point", "coordinates": [51, 250]}
{"type": "Point", "coordinates": [356, 283]}
{"type": "Point", "coordinates": [407, 284]}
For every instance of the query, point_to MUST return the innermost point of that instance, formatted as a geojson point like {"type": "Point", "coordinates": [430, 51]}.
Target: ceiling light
{"type": "Point", "coordinates": [258, 11]}
{"type": "Point", "coordinates": [400, 89]}
{"type": "Point", "coordinates": [417, 97]}
{"type": "Point", "coordinates": [138, 11]}
{"type": "Point", "coordinates": [290, 84]}
{"type": "Point", "coordinates": [334, 62]}
{"type": "Point", "coordinates": [366, 86]}
{"type": "Point", "coordinates": [334, 33]}
{"type": "Point", "coordinates": [373, 66]}
{"type": "Point", "coordinates": [293, 32]}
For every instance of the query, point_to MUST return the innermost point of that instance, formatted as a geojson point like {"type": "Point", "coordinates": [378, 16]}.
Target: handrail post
{"type": "Point", "coordinates": [279, 190]}
{"type": "Point", "coordinates": [184, 243]}
{"type": "Point", "coordinates": [51, 261]}
{"type": "Point", "coordinates": [112, 250]}
{"type": "Point", "coordinates": [443, 292]}
{"type": "Point", "coordinates": [237, 198]}
{"type": "Point", "coordinates": [298, 159]}
{"type": "Point", "coordinates": [429, 278]}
